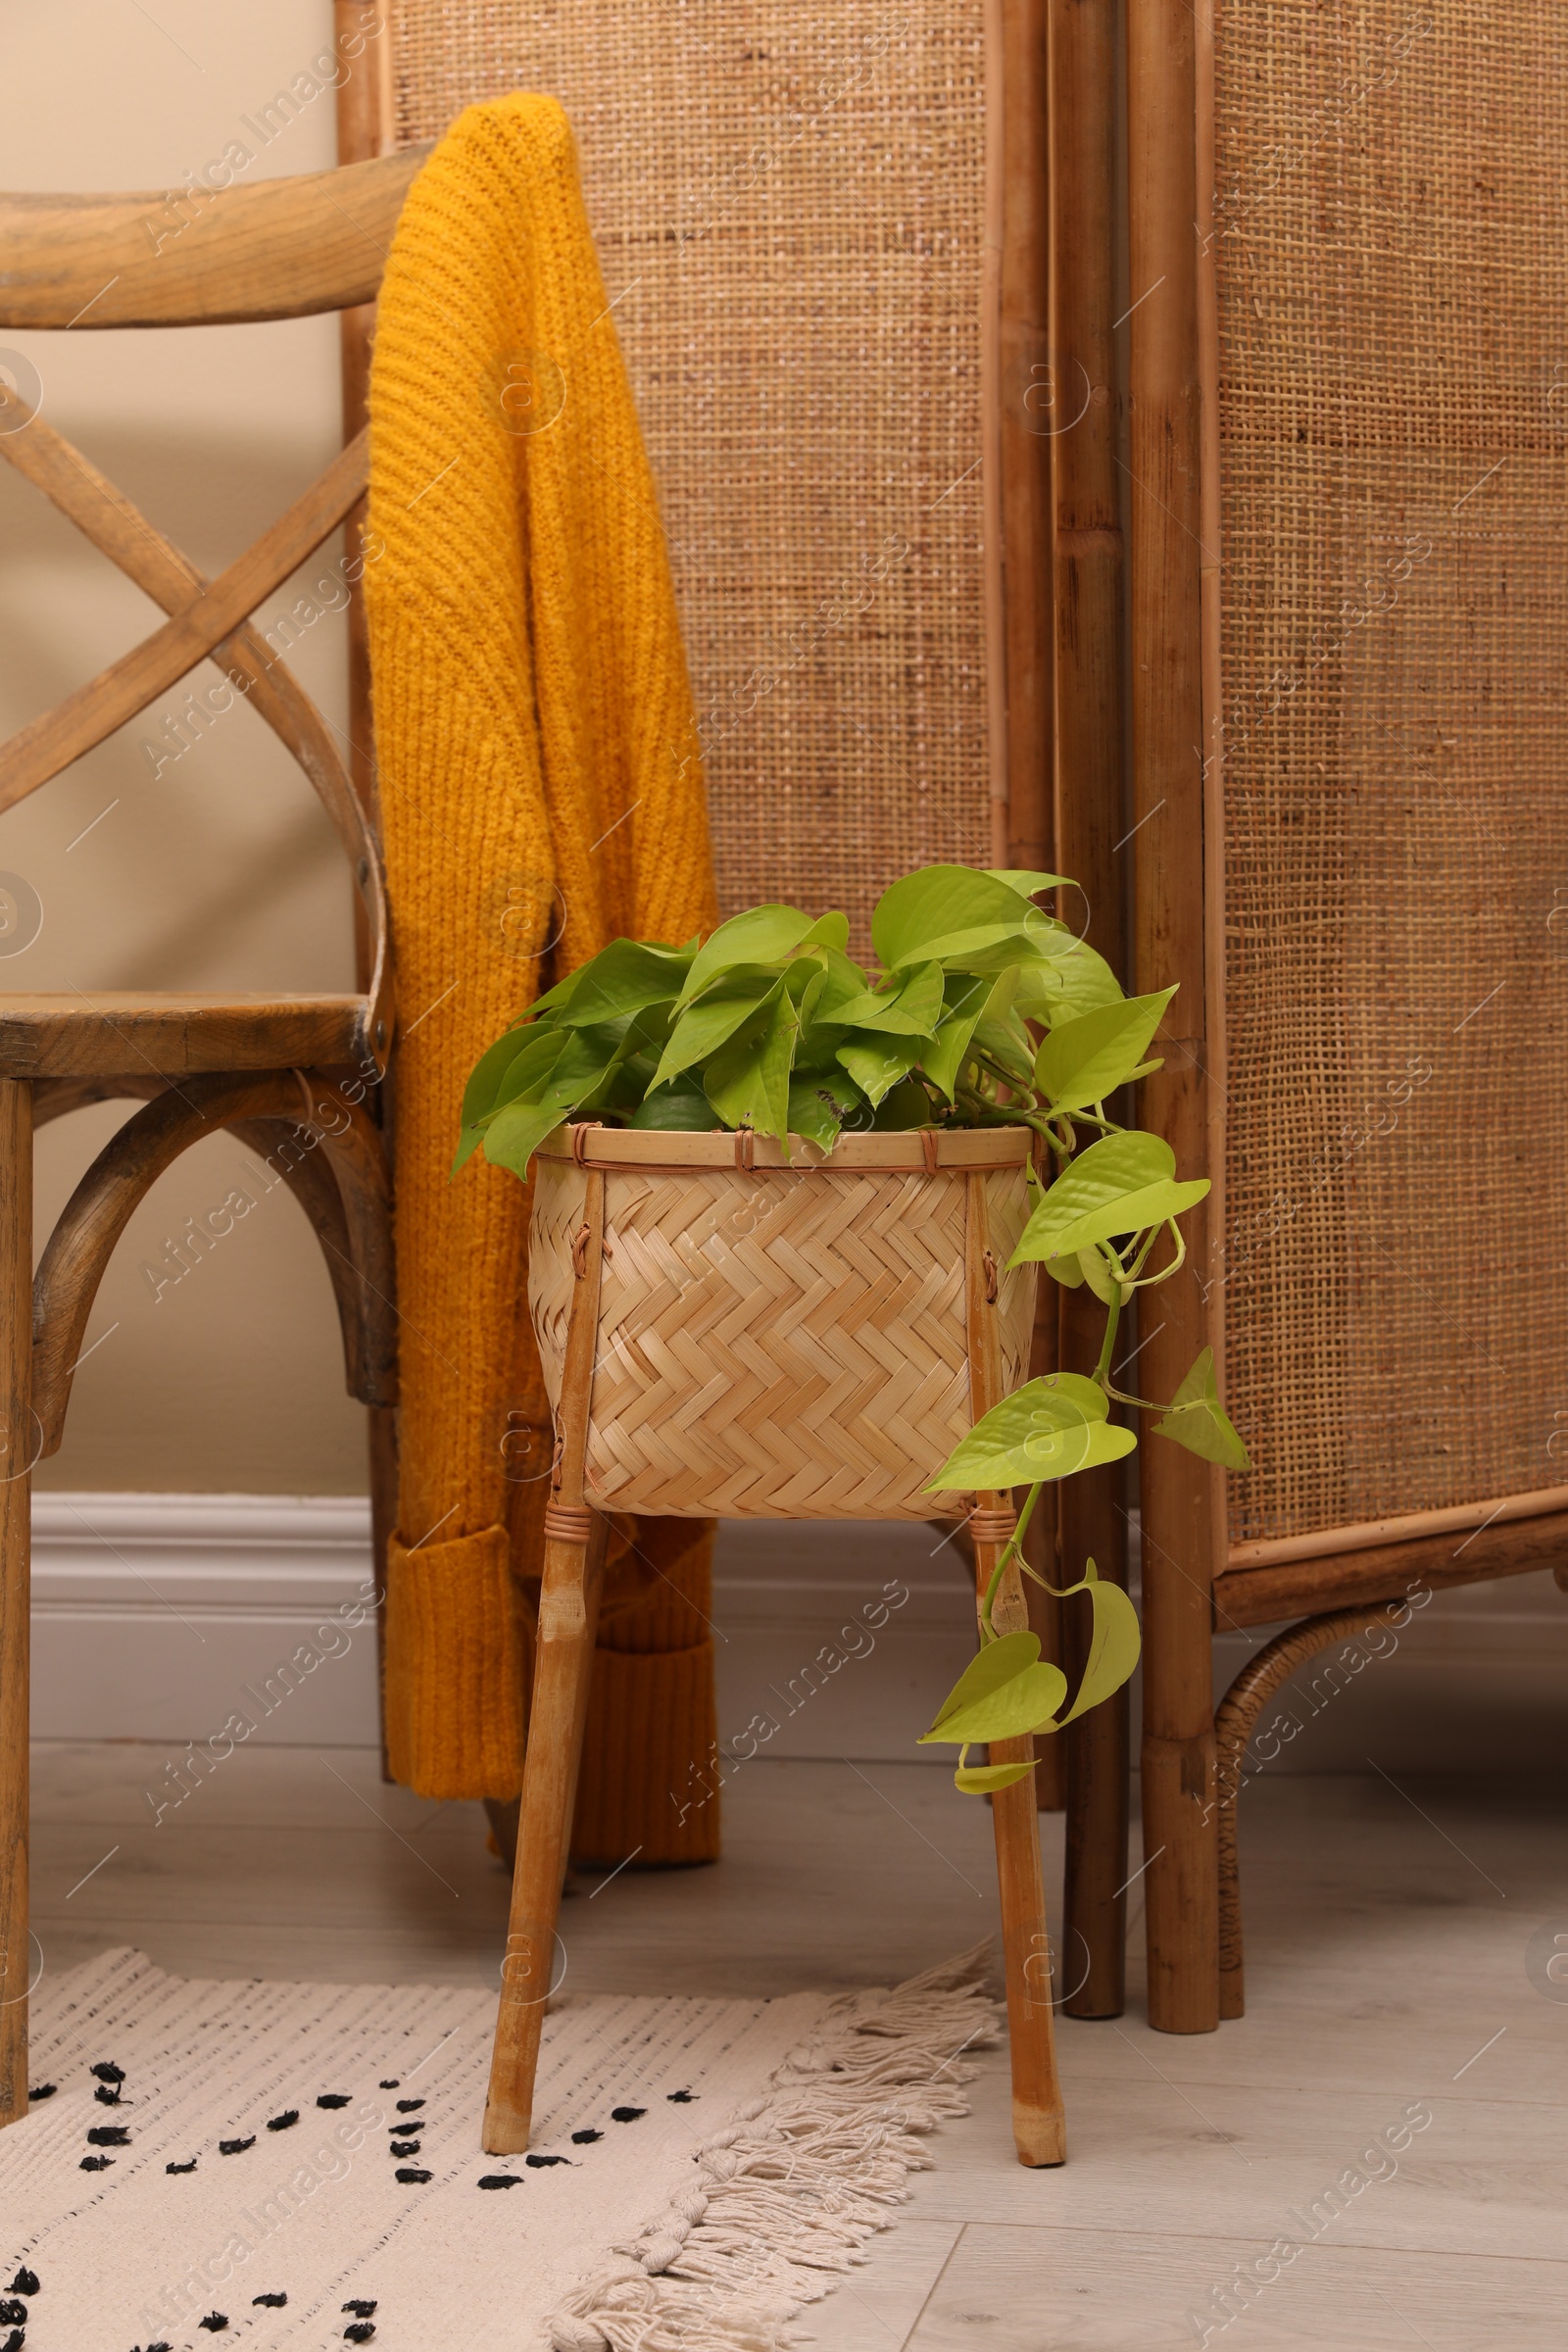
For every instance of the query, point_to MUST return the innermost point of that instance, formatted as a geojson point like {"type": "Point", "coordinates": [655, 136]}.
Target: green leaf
{"type": "Point", "coordinates": [946, 911]}
{"type": "Point", "coordinates": [1084, 1059]}
{"type": "Point", "coordinates": [1069, 980]}
{"type": "Point", "coordinates": [878, 1063]}
{"type": "Point", "coordinates": [675, 1110]}
{"type": "Point", "coordinates": [484, 1082]}
{"type": "Point", "coordinates": [1001, 1695]}
{"type": "Point", "coordinates": [911, 1009]}
{"type": "Point", "coordinates": [967, 1002]}
{"type": "Point", "coordinates": [1068, 1271]}
{"type": "Point", "coordinates": [1119, 1185]}
{"type": "Point", "coordinates": [763, 935]}
{"type": "Point", "coordinates": [623, 978]}
{"type": "Point", "coordinates": [1027, 885]}
{"type": "Point", "coordinates": [1195, 1419]}
{"type": "Point", "coordinates": [1008, 1047]}
{"type": "Point", "coordinates": [981, 1780]}
{"type": "Point", "coordinates": [1045, 1430]}
{"type": "Point", "coordinates": [703, 1028]}
{"type": "Point", "coordinates": [1113, 1644]}
{"type": "Point", "coordinates": [1099, 1276]}
{"type": "Point", "coordinates": [515, 1133]}
{"type": "Point", "coordinates": [748, 1082]}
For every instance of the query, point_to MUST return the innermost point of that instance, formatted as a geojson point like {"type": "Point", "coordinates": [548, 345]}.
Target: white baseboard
{"type": "Point", "coordinates": [156, 1616]}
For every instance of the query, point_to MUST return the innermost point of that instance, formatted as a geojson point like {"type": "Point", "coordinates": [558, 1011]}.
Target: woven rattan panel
{"type": "Point", "coordinates": [778, 1345]}
{"type": "Point", "coordinates": [1393, 264]}
{"type": "Point", "coordinates": [787, 205]}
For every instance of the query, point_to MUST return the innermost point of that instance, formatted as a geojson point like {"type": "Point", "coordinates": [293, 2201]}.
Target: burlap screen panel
{"type": "Point", "coordinates": [787, 203]}
{"type": "Point", "coordinates": [1393, 257]}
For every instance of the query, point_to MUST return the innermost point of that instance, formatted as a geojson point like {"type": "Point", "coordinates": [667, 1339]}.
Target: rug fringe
{"type": "Point", "coordinates": [786, 2196]}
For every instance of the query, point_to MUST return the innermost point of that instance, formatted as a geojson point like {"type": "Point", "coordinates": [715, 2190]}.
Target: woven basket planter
{"type": "Point", "coordinates": [784, 1340]}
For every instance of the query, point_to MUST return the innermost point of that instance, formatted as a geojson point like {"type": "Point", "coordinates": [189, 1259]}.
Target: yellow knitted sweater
{"type": "Point", "coordinates": [540, 793]}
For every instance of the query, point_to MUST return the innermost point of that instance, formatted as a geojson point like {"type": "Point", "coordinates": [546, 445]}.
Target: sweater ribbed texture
{"type": "Point", "coordinates": [540, 793]}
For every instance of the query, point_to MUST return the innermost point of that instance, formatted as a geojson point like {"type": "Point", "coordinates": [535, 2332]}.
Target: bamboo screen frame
{"type": "Point", "coordinates": [1354, 800]}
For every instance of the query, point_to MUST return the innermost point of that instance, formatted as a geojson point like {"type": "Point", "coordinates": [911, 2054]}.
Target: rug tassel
{"type": "Point", "coordinates": [789, 2191]}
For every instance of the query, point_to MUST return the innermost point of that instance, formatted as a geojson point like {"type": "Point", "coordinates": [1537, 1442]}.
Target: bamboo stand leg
{"type": "Point", "coordinates": [16, 1432]}
{"type": "Point", "coordinates": [568, 1614]}
{"type": "Point", "coordinates": [1039, 2125]}
{"type": "Point", "coordinates": [1038, 2122]}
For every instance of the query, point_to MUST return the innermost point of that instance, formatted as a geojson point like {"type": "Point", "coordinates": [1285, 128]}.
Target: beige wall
{"type": "Point", "coordinates": [222, 872]}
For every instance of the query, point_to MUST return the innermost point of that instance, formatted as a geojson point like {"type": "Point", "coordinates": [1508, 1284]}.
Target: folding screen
{"type": "Point", "coordinates": [1351, 631]}
{"type": "Point", "coordinates": [789, 210]}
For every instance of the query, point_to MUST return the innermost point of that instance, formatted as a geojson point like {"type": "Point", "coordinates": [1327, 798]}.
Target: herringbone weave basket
{"type": "Point", "coordinates": [784, 1340]}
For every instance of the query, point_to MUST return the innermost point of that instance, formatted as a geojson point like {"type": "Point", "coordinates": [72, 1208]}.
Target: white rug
{"type": "Point", "coordinates": [299, 2164]}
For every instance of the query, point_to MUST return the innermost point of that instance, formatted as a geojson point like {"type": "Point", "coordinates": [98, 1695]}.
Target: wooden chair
{"type": "Point", "coordinates": [294, 1076]}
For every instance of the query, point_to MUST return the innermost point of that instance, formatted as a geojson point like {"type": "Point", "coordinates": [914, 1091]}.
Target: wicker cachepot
{"type": "Point", "coordinates": [728, 1334]}
{"type": "Point", "coordinates": [783, 1340]}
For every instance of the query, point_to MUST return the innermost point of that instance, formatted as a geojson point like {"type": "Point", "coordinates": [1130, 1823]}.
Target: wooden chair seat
{"type": "Point", "coordinates": [117, 1034]}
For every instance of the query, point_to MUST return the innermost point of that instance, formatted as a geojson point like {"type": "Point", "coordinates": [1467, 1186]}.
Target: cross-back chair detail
{"type": "Point", "coordinates": [269, 1069]}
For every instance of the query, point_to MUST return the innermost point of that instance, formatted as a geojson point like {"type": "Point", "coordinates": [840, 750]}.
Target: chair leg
{"type": "Point", "coordinates": [1180, 1835]}
{"type": "Point", "coordinates": [16, 1533]}
{"type": "Point", "coordinates": [569, 1617]}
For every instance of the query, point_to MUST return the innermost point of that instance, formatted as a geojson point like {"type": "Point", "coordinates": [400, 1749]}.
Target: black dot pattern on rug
{"type": "Point", "coordinates": [680, 2098]}
{"type": "Point", "coordinates": [392, 2085]}
{"type": "Point", "coordinates": [539, 2162]}
{"type": "Point", "coordinates": [501, 2181]}
{"type": "Point", "coordinates": [106, 2096]}
{"type": "Point", "coordinates": [109, 2135]}
{"type": "Point", "coordinates": [410, 2106]}
{"type": "Point", "coordinates": [404, 2147]}
{"type": "Point", "coordinates": [42, 2090]}
{"type": "Point", "coordinates": [361, 2332]}
{"type": "Point", "coordinates": [215, 2322]}
{"type": "Point", "coordinates": [271, 2302]}
{"type": "Point", "coordinates": [159, 2346]}
{"type": "Point", "coordinates": [626, 2115]}
{"type": "Point", "coordinates": [96, 2164]}
{"type": "Point", "coordinates": [333, 2099]}
{"type": "Point", "coordinates": [26, 2282]}
{"type": "Point", "coordinates": [583, 2140]}
{"type": "Point", "coordinates": [361, 2307]}
{"type": "Point", "coordinates": [235, 2147]}
{"type": "Point", "coordinates": [107, 2072]}
{"type": "Point", "coordinates": [13, 2315]}
{"type": "Point", "coordinates": [181, 2167]}
{"type": "Point", "coordinates": [406, 2171]}
{"type": "Point", "coordinates": [284, 2122]}
{"type": "Point", "coordinates": [13, 2342]}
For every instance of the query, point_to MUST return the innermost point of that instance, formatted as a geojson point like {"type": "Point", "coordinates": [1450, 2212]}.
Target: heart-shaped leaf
{"type": "Point", "coordinates": [911, 1009]}
{"type": "Point", "coordinates": [876, 1064]}
{"type": "Point", "coordinates": [1113, 1644]}
{"type": "Point", "coordinates": [1044, 1431]}
{"type": "Point", "coordinates": [1083, 1060]}
{"type": "Point", "coordinates": [1002, 1694]}
{"type": "Point", "coordinates": [748, 1082]}
{"type": "Point", "coordinates": [675, 1110]}
{"type": "Point", "coordinates": [726, 1009]}
{"type": "Point", "coordinates": [1073, 979]}
{"type": "Point", "coordinates": [622, 978]}
{"type": "Point", "coordinates": [1122, 1184]}
{"type": "Point", "coordinates": [763, 935]}
{"type": "Point", "coordinates": [945, 911]}
{"type": "Point", "coordinates": [1195, 1418]}
{"type": "Point", "coordinates": [1027, 885]}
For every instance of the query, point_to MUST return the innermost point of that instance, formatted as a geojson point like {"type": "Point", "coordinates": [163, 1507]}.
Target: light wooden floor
{"type": "Point", "coordinates": [1390, 1928]}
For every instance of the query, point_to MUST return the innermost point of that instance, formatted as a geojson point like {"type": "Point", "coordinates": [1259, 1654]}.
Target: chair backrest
{"type": "Point", "coordinates": [282, 249]}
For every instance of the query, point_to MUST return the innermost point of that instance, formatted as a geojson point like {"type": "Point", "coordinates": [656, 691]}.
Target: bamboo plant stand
{"type": "Point", "coordinates": [957, 1178]}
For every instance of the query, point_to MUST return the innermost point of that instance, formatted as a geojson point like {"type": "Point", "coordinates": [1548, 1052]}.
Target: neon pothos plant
{"type": "Point", "coordinates": [983, 1010]}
